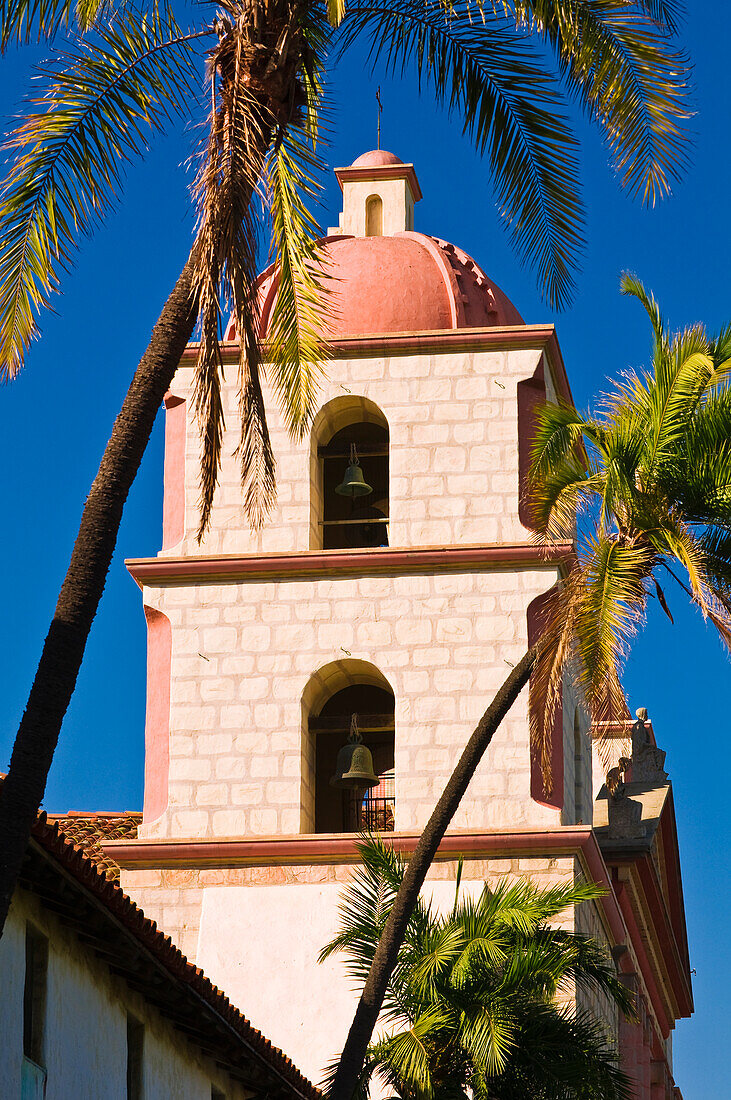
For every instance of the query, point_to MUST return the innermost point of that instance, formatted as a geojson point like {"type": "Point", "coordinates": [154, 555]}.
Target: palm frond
{"type": "Point", "coordinates": [27, 21]}
{"type": "Point", "coordinates": [93, 117]}
{"type": "Point", "coordinates": [558, 435]}
{"type": "Point", "coordinates": [556, 648]}
{"type": "Point", "coordinates": [633, 286]}
{"type": "Point", "coordinates": [510, 107]}
{"type": "Point", "coordinates": [300, 319]}
{"type": "Point", "coordinates": [240, 133]}
{"type": "Point", "coordinates": [629, 79]}
{"type": "Point", "coordinates": [562, 1055]}
{"type": "Point", "coordinates": [488, 1031]}
{"type": "Point", "coordinates": [675, 540]}
{"type": "Point", "coordinates": [668, 13]}
{"type": "Point", "coordinates": [611, 605]}
{"type": "Point", "coordinates": [589, 966]}
{"type": "Point", "coordinates": [24, 21]}
{"type": "Point", "coordinates": [336, 11]}
{"type": "Point", "coordinates": [406, 1056]}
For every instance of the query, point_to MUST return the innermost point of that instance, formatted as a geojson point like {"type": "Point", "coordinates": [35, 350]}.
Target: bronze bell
{"type": "Point", "coordinates": [353, 484]}
{"type": "Point", "coordinates": [354, 766]}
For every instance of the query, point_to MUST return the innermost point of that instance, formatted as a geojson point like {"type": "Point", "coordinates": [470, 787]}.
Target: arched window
{"type": "Point", "coordinates": [350, 484]}
{"type": "Point", "coordinates": [374, 216]}
{"type": "Point", "coordinates": [335, 810]}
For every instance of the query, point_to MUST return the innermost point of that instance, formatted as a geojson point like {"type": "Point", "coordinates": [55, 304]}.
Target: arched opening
{"type": "Point", "coordinates": [350, 484]}
{"type": "Point", "coordinates": [335, 695]}
{"type": "Point", "coordinates": [374, 216]}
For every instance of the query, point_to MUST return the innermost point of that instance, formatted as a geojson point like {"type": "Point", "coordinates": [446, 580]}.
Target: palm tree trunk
{"type": "Point", "coordinates": [63, 650]}
{"type": "Point", "coordinates": [384, 960]}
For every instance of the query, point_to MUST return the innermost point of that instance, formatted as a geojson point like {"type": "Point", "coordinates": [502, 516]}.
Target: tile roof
{"type": "Point", "coordinates": [108, 920]}
{"type": "Point", "coordinates": [86, 829]}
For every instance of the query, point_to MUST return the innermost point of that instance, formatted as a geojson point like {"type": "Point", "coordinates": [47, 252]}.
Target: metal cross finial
{"type": "Point", "coordinates": [380, 111]}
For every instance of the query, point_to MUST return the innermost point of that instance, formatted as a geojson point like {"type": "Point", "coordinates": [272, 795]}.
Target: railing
{"type": "Point", "coordinates": [378, 815]}
{"type": "Point", "coordinates": [373, 810]}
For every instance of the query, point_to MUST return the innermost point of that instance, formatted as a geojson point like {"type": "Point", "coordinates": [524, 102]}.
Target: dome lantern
{"type": "Point", "coordinates": [379, 192]}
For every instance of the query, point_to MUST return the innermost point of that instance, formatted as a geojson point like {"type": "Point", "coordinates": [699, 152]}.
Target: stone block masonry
{"type": "Point", "coordinates": [454, 445]}
{"type": "Point", "coordinates": [239, 742]}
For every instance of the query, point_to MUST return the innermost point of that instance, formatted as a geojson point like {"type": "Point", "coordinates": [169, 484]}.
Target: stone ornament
{"type": "Point", "coordinates": [648, 761]}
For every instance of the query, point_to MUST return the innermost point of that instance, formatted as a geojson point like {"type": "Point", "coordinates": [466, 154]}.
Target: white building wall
{"type": "Point", "coordinates": [245, 651]}
{"type": "Point", "coordinates": [85, 1032]}
{"type": "Point", "coordinates": [306, 1008]}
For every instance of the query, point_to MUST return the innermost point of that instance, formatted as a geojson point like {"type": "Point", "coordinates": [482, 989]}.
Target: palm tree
{"type": "Point", "coordinates": [127, 72]}
{"type": "Point", "coordinates": [471, 1007]}
{"type": "Point", "coordinates": [651, 477]}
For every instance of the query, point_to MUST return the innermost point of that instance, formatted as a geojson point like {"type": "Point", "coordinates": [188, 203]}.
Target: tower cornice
{"type": "Point", "coordinates": [164, 570]}
{"type": "Point", "coordinates": [370, 345]}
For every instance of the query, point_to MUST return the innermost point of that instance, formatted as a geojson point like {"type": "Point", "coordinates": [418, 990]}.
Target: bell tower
{"type": "Point", "coordinates": [396, 581]}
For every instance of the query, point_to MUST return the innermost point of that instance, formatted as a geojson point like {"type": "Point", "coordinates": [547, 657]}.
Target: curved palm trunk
{"type": "Point", "coordinates": [63, 650]}
{"type": "Point", "coordinates": [384, 960]}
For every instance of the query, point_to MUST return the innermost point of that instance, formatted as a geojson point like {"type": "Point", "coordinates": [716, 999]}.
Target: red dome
{"type": "Point", "coordinates": [375, 159]}
{"type": "Point", "coordinates": [405, 283]}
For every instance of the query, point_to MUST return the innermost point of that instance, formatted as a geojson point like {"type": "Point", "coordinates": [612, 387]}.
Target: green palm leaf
{"type": "Point", "coordinates": [619, 64]}
{"type": "Point", "coordinates": [511, 108]}
{"type": "Point", "coordinates": [301, 315]}
{"type": "Point", "coordinates": [94, 116]}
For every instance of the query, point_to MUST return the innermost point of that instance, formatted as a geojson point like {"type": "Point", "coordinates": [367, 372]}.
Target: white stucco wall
{"type": "Point", "coordinates": [306, 1008]}
{"type": "Point", "coordinates": [85, 1032]}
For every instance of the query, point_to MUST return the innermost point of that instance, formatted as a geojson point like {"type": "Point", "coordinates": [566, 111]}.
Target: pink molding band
{"type": "Point", "coordinates": [541, 337]}
{"type": "Point", "coordinates": [380, 172]}
{"type": "Point", "coordinates": [378, 560]}
{"type": "Point", "coordinates": [173, 501]}
{"type": "Point", "coordinates": [157, 717]}
{"type": "Point", "coordinates": [340, 848]}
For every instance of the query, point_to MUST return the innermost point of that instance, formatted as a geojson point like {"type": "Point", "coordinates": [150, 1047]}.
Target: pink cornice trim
{"type": "Point", "coordinates": [507, 337]}
{"type": "Point", "coordinates": [381, 172]}
{"type": "Point", "coordinates": [307, 562]}
{"type": "Point", "coordinates": [342, 847]}
{"type": "Point", "coordinates": [630, 921]}
{"type": "Point", "coordinates": [173, 503]}
{"type": "Point", "coordinates": [339, 848]}
{"type": "Point", "coordinates": [157, 718]}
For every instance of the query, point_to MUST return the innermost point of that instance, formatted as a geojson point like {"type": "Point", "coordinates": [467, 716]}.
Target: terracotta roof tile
{"type": "Point", "coordinates": [86, 829]}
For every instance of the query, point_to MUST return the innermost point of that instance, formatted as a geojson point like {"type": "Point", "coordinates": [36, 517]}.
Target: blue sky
{"type": "Point", "coordinates": [55, 419]}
